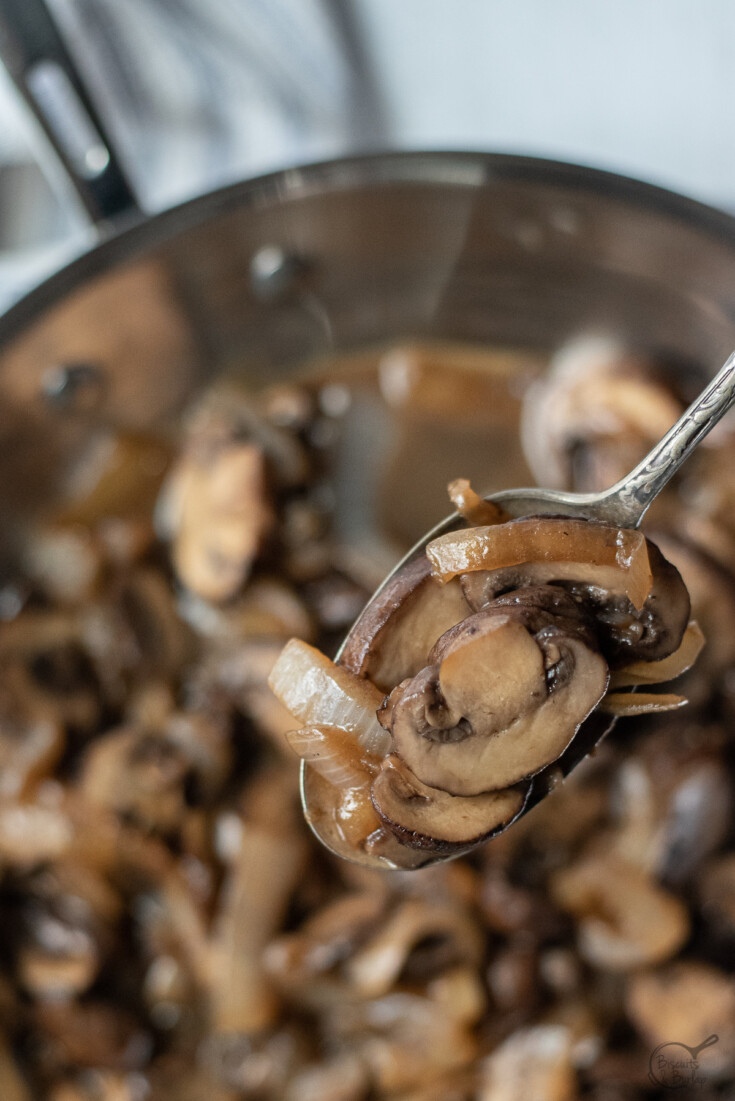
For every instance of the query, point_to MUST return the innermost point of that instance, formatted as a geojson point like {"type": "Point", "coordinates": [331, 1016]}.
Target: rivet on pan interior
{"type": "Point", "coordinates": [275, 272]}
{"type": "Point", "coordinates": [75, 386]}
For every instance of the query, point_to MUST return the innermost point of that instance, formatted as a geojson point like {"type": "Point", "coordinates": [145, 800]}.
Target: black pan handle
{"type": "Point", "coordinates": [36, 57]}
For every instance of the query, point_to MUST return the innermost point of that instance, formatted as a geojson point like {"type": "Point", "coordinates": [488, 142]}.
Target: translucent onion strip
{"type": "Point", "coordinates": [472, 507]}
{"type": "Point", "coordinates": [655, 672]}
{"type": "Point", "coordinates": [333, 753]}
{"type": "Point", "coordinates": [319, 693]}
{"type": "Point", "coordinates": [640, 703]}
{"type": "Point", "coordinates": [578, 550]}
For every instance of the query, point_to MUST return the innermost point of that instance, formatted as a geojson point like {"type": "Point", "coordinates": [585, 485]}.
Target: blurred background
{"type": "Point", "coordinates": [196, 94]}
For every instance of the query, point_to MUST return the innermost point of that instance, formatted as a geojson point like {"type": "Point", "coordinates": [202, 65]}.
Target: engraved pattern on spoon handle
{"type": "Point", "coordinates": [628, 500]}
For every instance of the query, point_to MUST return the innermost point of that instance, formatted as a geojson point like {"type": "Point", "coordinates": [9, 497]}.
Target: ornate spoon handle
{"type": "Point", "coordinates": [626, 502]}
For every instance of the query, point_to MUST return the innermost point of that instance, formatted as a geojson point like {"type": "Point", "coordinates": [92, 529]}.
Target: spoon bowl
{"type": "Point", "coordinates": [623, 505]}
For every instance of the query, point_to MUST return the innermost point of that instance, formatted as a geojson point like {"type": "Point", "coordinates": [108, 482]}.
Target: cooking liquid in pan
{"type": "Point", "coordinates": [224, 952]}
{"type": "Point", "coordinates": [406, 422]}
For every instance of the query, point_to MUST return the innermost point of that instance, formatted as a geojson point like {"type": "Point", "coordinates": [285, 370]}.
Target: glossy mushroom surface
{"type": "Point", "coordinates": [534, 616]}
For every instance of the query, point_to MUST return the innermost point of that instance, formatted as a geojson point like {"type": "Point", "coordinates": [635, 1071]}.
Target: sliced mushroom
{"type": "Point", "coordinates": [638, 600]}
{"type": "Point", "coordinates": [426, 818]}
{"type": "Point", "coordinates": [684, 1003]}
{"type": "Point", "coordinates": [309, 965]}
{"type": "Point", "coordinates": [396, 947]}
{"type": "Point", "coordinates": [461, 994]}
{"type": "Point", "coordinates": [673, 800]}
{"type": "Point", "coordinates": [48, 670]}
{"type": "Point", "coordinates": [533, 1064]}
{"type": "Point", "coordinates": [502, 703]}
{"type": "Point", "coordinates": [625, 920]}
{"type": "Point", "coordinates": [66, 561]}
{"type": "Point", "coordinates": [669, 668]}
{"type": "Point", "coordinates": [392, 638]}
{"type": "Point", "coordinates": [119, 477]}
{"type": "Point", "coordinates": [628, 634]}
{"type": "Point", "coordinates": [512, 977]}
{"type": "Point", "coordinates": [712, 589]}
{"type": "Point", "coordinates": [65, 930]}
{"type": "Point", "coordinates": [407, 1040]}
{"type": "Point", "coordinates": [269, 608]}
{"type": "Point", "coordinates": [102, 1085]}
{"type": "Point", "coordinates": [135, 630]}
{"type": "Point", "coordinates": [595, 414]}
{"type": "Point", "coordinates": [153, 776]}
{"type": "Point", "coordinates": [256, 894]}
{"type": "Point", "coordinates": [218, 514]}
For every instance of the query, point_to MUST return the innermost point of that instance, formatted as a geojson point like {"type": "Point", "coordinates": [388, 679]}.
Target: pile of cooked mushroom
{"type": "Point", "coordinates": [173, 931]}
{"type": "Point", "coordinates": [492, 649]}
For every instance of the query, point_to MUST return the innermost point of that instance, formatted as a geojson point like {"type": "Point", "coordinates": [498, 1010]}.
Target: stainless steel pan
{"type": "Point", "coordinates": [262, 276]}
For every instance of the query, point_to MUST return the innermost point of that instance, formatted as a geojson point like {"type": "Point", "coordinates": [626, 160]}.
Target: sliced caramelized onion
{"type": "Point", "coordinates": [345, 819]}
{"type": "Point", "coordinates": [655, 672]}
{"type": "Point", "coordinates": [318, 692]}
{"type": "Point", "coordinates": [472, 507]}
{"type": "Point", "coordinates": [333, 753]}
{"type": "Point", "coordinates": [641, 703]}
{"type": "Point", "coordinates": [550, 549]}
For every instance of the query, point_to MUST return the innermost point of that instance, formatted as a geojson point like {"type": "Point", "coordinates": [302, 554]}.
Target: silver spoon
{"type": "Point", "coordinates": [624, 505]}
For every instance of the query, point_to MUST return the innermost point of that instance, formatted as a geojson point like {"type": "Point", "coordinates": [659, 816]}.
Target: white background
{"type": "Point", "coordinates": [644, 87]}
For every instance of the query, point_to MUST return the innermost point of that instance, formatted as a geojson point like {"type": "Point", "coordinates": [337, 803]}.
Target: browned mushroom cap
{"type": "Point", "coordinates": [64, 930]}
{"type": "Point", "coordinates": [152, 775]}
{"type": "Point", "coordinates": [652, 633]}
{"type": "Point", "coordinates": [533, 1063]}
{"type": "Point", "coordinates": [673, 799]}
{"type": "Point", "coordinates": [510, 689]}
{"type": "Point", "coordinates": [624, 919]}
{"type": "Point", "coordinates": [426, 818]}
{"type": "Point", "coordinates": [217, 512]}
{"type": "Point", "coordinates": [712, 590]}
{"type": "Point", "coordinates": [536, 607]}
{"type": "Point", "coordinates": [687, 998]}
{"type": "Point", "coordinates": [595, 414]}
{"type": "Point", "coordinates": [392, 638]}
{"type": "Point", "coordinates": [419, 938]}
